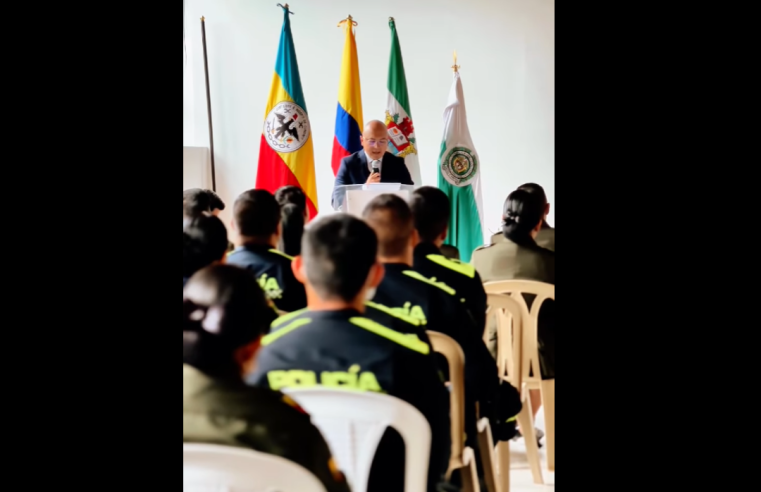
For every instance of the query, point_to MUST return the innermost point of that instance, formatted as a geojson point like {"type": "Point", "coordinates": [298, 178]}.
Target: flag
{"type": "Point", "coordinates": [459, 176]}
{"type": "Point", "coordinates": [401, 132]}
{"type": "Point", "coordinates": [349, 112]}
{"type": "Point", "coordinates": [286, 156]}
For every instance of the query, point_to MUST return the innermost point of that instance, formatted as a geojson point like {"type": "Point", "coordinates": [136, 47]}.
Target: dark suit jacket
{"type": "Point", "coordinates": [354, 170]}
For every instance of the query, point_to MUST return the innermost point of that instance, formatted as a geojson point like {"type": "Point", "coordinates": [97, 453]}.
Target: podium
{"type": "Point", "coordinates": [353, 198]}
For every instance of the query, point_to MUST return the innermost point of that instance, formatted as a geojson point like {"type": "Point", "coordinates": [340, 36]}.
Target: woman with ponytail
{"type": "Point", "coordinates": [225, 315]}
{"type": "Point", "coordinates": [293, 215]}
{"type": "Point", "coordinates": [518, 256]}
{"type": "Point", "coordinates": [204, 242]}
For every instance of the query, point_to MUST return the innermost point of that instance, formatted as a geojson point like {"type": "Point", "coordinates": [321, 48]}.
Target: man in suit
{"type": "Point", "coordinates": [357, 168]}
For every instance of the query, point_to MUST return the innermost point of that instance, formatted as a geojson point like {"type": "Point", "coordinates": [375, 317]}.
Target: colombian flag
{"type": "Point", "coordinates": [349, 114]}
{"type": "Point", "coordinates": [286, 156]}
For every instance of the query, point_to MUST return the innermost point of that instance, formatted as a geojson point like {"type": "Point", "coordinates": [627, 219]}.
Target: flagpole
{"type": "Point", "coordinates": [208, 105]}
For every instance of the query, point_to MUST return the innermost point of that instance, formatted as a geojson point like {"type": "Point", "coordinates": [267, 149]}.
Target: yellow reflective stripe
{"type": "Point", "coordinates": [511, 419]}
{"type": "Point", "coordinates": [432, 281]}
{"type": "Point", "coordinates": [281, 254]}
{"type": "Point", "coordinates": [286, 317]}
{"type": "Point", "coordinates": [458, 267]}
{"type": "Point", "coordinates": [412, 342]}
{"type": "Point", "coordinates": [389, 311]}
{"type": "Point", "coordinates": [285, 330]}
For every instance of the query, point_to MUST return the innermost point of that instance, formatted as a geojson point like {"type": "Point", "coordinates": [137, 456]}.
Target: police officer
{"type": "Point", "coordinates": [334, 344]}
{"type": "Point", "coordinates": [256, 218]}
{"type": "Point", "coordinates": [430, 208]}
{"type": "Point", "coordinates": [437, 304]}
{"type": "Point", "coordinates": [546, 235]}
{"type": "Point", "coordinates": [225, 317]}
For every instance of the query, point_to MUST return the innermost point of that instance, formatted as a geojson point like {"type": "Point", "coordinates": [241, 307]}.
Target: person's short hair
{"type": "Point", "coordinates": [338, 252]}
{"type": "Point", "coordinates": [197, 200]}
{"type": "Point", "coordinates": [391, 219]}
{"type": "Point", "coordinates": [256, 213]}
{"type": "Point", "coordinates": [450, 252]}
{"type": "Point", "coordinates": [430, 208]}
{"type": "Point", "coordinates": [204, 242]}
{"type": "Point", "coordinates": [224, 308]}
{"type": "Point", "coordinates": [535, 189]}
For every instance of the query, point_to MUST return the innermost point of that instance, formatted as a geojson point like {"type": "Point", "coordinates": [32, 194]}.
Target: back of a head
{"type": "Point", "coordinates": [430, 208]}
{"type": "Point", "coordinates": [204, 242]}
{"type": "Point", "coordinates": [291, 194]}
{"type": "Point", "coordinates": [522, 212]}
{"type": "Point", "coordinates": [450, 252]}
{"type": "Point", "coordinates": [256, 214]}
{"type": "Point", "coordinates": [292, 210]}
{"type": "Point", "coordinates": [534, 189]}
{"type": "Point", "coordinates": [196, 201]}
{"type": "Point", "coordinates": [224, 310]}
{"type": "Point", "coordinates": [391, 219]}
{"type": "Point", "coordinates": [338, 252]}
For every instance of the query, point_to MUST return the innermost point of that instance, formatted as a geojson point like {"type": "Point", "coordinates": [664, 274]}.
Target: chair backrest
{"type": "Point", "coordinates": [449, 348]}
{"type": "Point", "coordinates": [529, 342]}
{"type": "Point", "coordinates": [508, 315]}
{"type": "Point", "coordinates": [215, 468]}
{"type": "Point", "coordinates": [353, 423]}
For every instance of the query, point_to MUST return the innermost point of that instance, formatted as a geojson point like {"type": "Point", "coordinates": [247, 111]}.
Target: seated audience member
{"type": "Point", "coordinates": [438, 305]}
{"type": "Point", "coordinates": [546, 236]}
{"type": "Point", "coordinates": [225, 316]}
{"type": "Point", "coordinates": [293, 216]}
{"type": "Point", "coordinates": [256, 219]}
{"type": "Point", "coordinates": [334, 344]}
{"type": "Point", "coordinates": [204, 243]}
{"type": "Point", "coordinates": [450, 252]}
{"type": "Point", "coordinates": [519, 257]}
{"type": "Point", "coordinates": [197, 200]}
{"type": "Point", "coordinates": [430, 208]}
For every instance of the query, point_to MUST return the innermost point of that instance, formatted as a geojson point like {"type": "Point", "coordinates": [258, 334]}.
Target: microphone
{"type": "Point", "coordinates": [376, 166]}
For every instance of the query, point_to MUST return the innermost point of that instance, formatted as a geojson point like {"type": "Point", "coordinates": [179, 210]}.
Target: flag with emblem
{"type": "Point", "coordinates": [401, 132]}
{"type": "Point", "coordinates": [349, 112]}
{"type": "Point", "coordinates": [286, 155]}
{"type": "Point", "coordinates": [459, 175]}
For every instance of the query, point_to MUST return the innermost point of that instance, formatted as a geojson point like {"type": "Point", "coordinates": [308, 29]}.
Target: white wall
{"type": "Point", "coordinates": [505, 50]}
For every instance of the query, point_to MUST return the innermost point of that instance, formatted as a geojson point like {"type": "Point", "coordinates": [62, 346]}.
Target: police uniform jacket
{"type": "Point", "coordinates": [463, 278]}
{"type": "Point", "coordinates": [273, 272]}
{"type": "Point", "coordinates": [345, 349]}
{"type": "Point", "coordinates": [230, 413]}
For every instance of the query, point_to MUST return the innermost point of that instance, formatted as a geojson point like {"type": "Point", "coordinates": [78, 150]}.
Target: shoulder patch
{"type": "Point", "coordinates": [462, 268]}
{"type": "Point", "coordinates": [395, 314]}
{"type": "Point", "coordinates": [410, 341]}
{"type": "Point", "coordinates": [268, 339]}
{"type": "Point", "coordinates": [278, 252]}
{"type": "Point", "coordinates": [430, 281]}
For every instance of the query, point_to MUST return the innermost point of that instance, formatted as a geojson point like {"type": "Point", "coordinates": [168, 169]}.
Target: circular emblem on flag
{"type": "Point", "coordinates": [459, 166]}
{"type": "Point", "coordinates": [286, 127]}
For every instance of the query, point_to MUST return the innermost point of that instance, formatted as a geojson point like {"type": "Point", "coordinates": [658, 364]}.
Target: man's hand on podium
{"type": "Point", "coordinates": [374, 178]}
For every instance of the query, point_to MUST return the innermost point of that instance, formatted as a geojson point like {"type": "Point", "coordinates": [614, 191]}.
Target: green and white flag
{"type": "Point", "coordinates": [459, 176]}
{"type": "Point", "coordinates": [401, 132]}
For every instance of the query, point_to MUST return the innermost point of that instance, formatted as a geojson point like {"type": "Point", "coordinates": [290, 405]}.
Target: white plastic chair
{"type": "Point", "coordinates": [462, 457]}
{"type": "Point", "coordinates": [215, 468]}
{"type": "Point", "coordinates": [353, 424]}
{"type": "Point", "coordinates": [530, 352]}
{"type": "Point", "coordinates": [509, 342]}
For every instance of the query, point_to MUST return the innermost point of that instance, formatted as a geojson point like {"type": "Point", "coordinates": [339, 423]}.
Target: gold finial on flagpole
{"type": "Point", "coordinates": [349, 19]}
{"type": "Point", "coordinates": [203, 19]}
{"type": "Point", "coordinates": [455, 66]}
